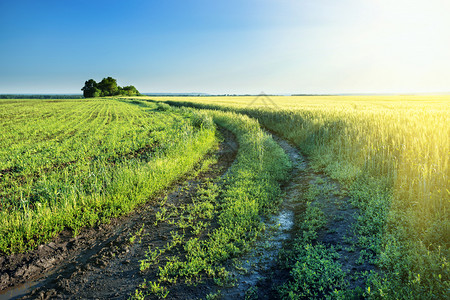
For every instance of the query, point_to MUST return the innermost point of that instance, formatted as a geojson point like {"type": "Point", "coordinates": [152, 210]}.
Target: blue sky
{"type": "Point", "coordinates": [275, 46]}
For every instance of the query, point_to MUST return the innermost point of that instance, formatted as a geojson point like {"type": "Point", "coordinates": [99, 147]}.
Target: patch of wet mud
{"type": "Point", "coordinates": [103, 262]}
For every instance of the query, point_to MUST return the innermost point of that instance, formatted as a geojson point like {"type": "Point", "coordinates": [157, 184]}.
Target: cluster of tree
{"type": "Point", "coordinates": [107, 87]}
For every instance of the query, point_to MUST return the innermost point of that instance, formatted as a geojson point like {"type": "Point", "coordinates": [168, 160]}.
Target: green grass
{"type": "Point", "coordinates": [315, 274]}
{"type": "Point", "coordinates": [71, 164]}
{"type": "Point", "coordinates": [314, 269]}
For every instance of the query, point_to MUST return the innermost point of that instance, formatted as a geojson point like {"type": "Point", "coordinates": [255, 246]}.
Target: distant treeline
{"type": "Point", "coordinates": [107, 87]}
{"type": "Point", "coordinates": [38, 96]}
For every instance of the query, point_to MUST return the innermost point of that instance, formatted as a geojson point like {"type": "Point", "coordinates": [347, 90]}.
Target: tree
{"type": "Point", "coordinates": [130, 91]}
{"type": "Point", "coordinates": [90, 89]}
{"type": "Point", "coordinates": [108, 87]}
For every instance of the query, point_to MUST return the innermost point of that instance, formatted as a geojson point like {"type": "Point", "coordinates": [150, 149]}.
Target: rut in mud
{"type": "Point", "coordinates": [103, 262]}
{"type": "Point", "coordinates": [258, 275]}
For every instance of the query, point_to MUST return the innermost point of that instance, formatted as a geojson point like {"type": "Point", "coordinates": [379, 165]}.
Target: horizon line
{"type": "Point", "coordinates": [245, 94]}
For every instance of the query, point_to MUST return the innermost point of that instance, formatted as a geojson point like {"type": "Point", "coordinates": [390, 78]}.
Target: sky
{"type": "Point", "coordinates": [227, 47]}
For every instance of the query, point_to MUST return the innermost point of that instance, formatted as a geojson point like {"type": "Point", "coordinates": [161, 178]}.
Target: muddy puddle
{"type": "Point", "coordinates": [21, 291]}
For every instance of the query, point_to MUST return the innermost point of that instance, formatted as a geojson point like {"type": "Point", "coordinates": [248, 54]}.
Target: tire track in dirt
{"type": "Point", "coordinates": [258, 274]}
{"type": "Point", "coordinates": [102, 262]}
